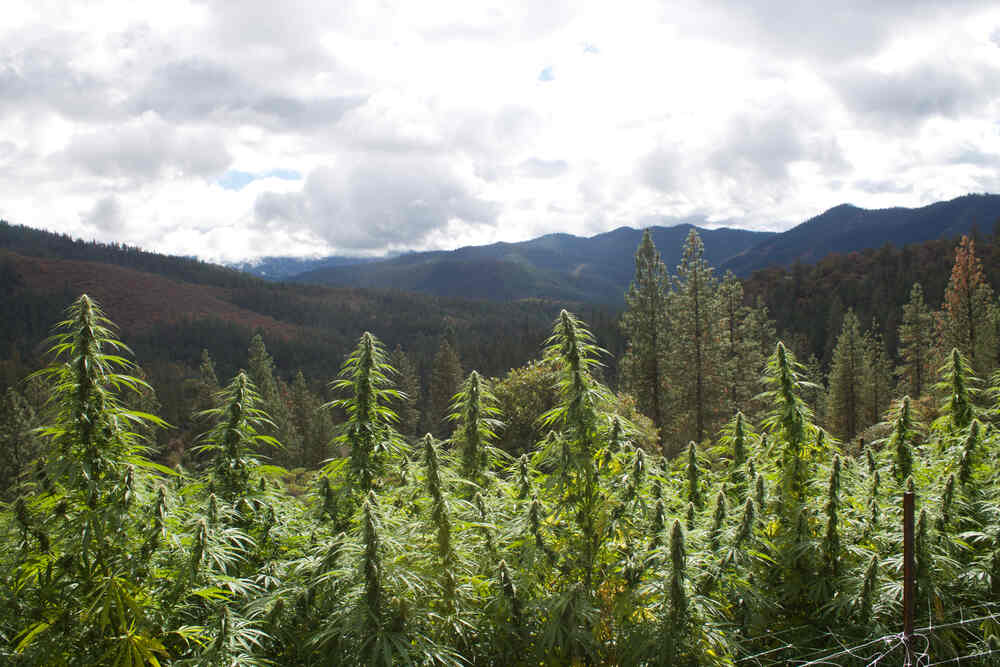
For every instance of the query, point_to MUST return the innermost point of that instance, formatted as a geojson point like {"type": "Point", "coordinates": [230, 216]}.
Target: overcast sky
{"type": "Point", "coordinates": [244, 128]}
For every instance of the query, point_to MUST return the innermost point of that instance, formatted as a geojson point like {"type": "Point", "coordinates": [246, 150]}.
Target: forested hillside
{"type": "Point", "coordinates": [554, 266]}
{"type": "Point", "coordinates": [847, 228]}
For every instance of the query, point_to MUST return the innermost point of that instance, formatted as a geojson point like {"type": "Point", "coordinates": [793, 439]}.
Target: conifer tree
{"type": "Point", "coordinates": [446, 378]}
{"type": "Point", "coordinates": [877, 376]}
{"type": "Point", "coordinates": [273, 399]}
{"type": "Point", "coordinates": [644, 324]}
{"type": "Point", "coordinates": [746, 335]}
{"type": "Point", "coordinates": [696, 371]}
{"type": "Point", "coordinates": [409, 389]}
{"type": "Point", "coordinates": [845, 400]}
{"type": "Point", "coordinates": [968, 322]}
{"type": "Point", "coordinates": [916, 344]}
{"type": "Point", "coordinates": [18, 444]}
{"type": "Point", "coordinates": [313, 425]}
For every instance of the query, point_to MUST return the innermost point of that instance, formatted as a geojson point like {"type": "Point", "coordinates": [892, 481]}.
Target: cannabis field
{"type": "Point", "coordinates": [767, 544]}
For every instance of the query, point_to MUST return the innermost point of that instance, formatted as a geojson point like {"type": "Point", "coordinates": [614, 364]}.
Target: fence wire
{"type": "Point", "coordinates": [972, 639]}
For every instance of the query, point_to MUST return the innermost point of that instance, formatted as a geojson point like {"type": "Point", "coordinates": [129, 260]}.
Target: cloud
{"type": "Point", "coordinates": [844, 31]}
{"type": "Point", "coordinates": [900, 99]}
{"type": "Point", "coordinates": [761, 147]}
{"type": "Point", "coordinates": [371, 202]}
{"type": "Point", "coordinates": [37, 78]}
{"type": "Point", "coordinates": [107, 216]}
{"type": "Point", "coordinates": [197, 88]}
{"type": "Point", "coordinates": [400, 125]}
{"type": "Point", "coordinates": [537, 168]}
{"type": "Point", "coordinates": [883, 186]}
{"type": "Point", "coordinates": [147, 148]}
{"type": "Point", "coordinates": [660, 168]}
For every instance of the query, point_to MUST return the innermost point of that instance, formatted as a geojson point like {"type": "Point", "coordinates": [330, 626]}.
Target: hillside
{"type": "Point", "coordinates": [808, 302]}
{"type": "Point", "coordinates": [599, 269]}
{"type": "Point", "coordinates": [556, 266]}
{"type": "Point", "coordinates": [848, 228]}
{"type": "Point", "coordinates": [170, 308]}
{"type": "Point", "coordinates": [281, 268]}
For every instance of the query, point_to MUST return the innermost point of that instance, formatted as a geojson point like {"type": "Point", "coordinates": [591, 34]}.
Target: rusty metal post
{"type": "Point", "coordinates": [909, 572]}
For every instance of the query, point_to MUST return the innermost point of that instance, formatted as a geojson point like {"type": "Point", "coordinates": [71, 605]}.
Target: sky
{"type": "Point", "coordinates": [233, 130]}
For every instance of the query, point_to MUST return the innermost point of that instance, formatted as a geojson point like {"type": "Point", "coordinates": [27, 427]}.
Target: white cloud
{"type": "Point", "coordinates": [368, 203]}
{"type": "Point", "coordinates": [427, 125]}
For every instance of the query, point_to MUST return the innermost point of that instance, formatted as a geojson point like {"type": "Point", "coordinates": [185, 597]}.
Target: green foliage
{"type": "Point", "coordinates": [644, 324]}
{"type": "Point", "coordinates": [590, 548]}
{"type": "Point", "coordinates": [369, 433]}
{"type": "Point", "coordinates": [475, 412]}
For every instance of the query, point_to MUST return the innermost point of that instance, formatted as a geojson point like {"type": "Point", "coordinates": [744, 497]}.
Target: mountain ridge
{"type": "Point", "coordinates": [599, 268]}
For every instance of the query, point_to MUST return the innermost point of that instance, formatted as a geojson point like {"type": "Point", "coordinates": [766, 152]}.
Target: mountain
{"type": "Point", "coordinates": [170, 308]}
{"type": "Point", "coordinates": [599, 269]}
{"type": "Point", "coordinates": [848, 228]}
{"type": "Point", "coordinates": [556, 266]}
{"type": "Point", "coordinates": [281, 268]}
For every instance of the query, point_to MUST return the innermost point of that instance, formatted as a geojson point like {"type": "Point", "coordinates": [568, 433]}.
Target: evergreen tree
{"type": "Point", "coordinates": [845, 399]}
{"type": "Point", "coordinates": [696, 369]}
{"type": "Point", "coordinates": [877, 376]}
{"type": "Point", "coordinates": [747, 333]}
{"type": "Point", "coordinates": [968, 323]}
{"type": "Point", "coordinates": [314, 425]}
{"type": "Point", "coordinates": [644, 324]}
{"type": "Point", "coordinates": [916, 344]}
{"type": "Point", "coordinates": [446, 378]}
{"type": "Point", "coordinates": [208, 381]}
{"type": "Point", "coordinates": [273, 400]}
{"type": "Point", "coordinates": [409, 392]}
{"type": "Point", "coordinates": [18, 444]}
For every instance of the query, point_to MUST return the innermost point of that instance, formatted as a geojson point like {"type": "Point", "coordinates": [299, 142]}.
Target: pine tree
{"type": "Point", "coordinates": [409, 389]}
{"type": "Point", "coordinates": [446, 378]}
{"type": "Point", "coordinates": [208, 380]}
{"type": "Point", "coordinates": [696, 369]}
{"type": "Point", "coordinates": [18, 443]}
{"type": "Point", "coordinates": [644, 325]}
{"type": "Point", "coordinates": [845, 400]}
{"type": "Point", "coordinates": [968, 323]}
{"type": "Point", "coordinates": [746, 335]}
{"type": "Point", "coordinates": [916, 344]}
{"type": "Point", "coordinates": [313, 425]}
{"type": "Point", "coordinates": [877, 376]}
{"type": "Point", "coordinates": [273, 400]}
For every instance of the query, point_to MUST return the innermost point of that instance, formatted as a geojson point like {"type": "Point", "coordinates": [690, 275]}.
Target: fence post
{"type": "Point", "coordinates": [908, 576]}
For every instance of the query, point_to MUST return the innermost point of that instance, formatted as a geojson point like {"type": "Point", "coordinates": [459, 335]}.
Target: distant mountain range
{"type": "Point", "coordinates": [848, 228]}
{"type": "Point", "coordinates": [555, 266]}
{"type": "Point", "coordinates": [600, 268]}
{"type": "Point", "coordinates": [282, 268]}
